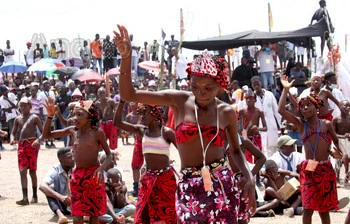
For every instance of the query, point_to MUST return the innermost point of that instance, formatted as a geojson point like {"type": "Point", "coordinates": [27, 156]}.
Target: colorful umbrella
{"type": "Point", "coordinates": [78, 62]}
{"type": "Point", "coordinates": [115, 71]}
{"type": "Point", "coordinates": [150, 65]}
{"type": "Point", "coordinates": [79, 73]}
{"type": "Point", "coordinates": [90, 77]}
{"type": "Point", "coordinates": [46, 66]}
{"type": "Point", "coordinates": [13, 67]}
{"type": "Point", "coordinates": [66, 71]}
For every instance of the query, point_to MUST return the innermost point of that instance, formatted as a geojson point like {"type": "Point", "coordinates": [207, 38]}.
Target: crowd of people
{"type": "Point", "coordinates": [240, 137]}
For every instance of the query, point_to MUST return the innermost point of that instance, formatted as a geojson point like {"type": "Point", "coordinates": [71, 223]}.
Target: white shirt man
{"type": "Point", "coordinates": [287, 158]}
{"type": "Point", "coordinates": [266, 101]}
{"type": "Point", "coordinates": [5, 105]}
{"type": "Point", "coordinates": [45, 94]}
{"type": "Point", "coordinates": [179, 63]}
{"type": "Point", "coordinates": [29, 55]}
{"type": "Point", "coordinates": [8, 58]}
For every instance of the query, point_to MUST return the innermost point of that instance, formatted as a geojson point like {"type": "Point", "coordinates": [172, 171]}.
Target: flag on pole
{"type": "Point", "coordinates": [270, 17]}
{"type": "Point", "coordinates": [219, 29]}
{"type": "Point", "coordinates": [182, 26]}
{"type": "Point", "coordinates": [163, 34]}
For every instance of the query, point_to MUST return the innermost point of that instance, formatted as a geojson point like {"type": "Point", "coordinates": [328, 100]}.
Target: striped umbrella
{"type": "Point", "coordinates": [46, 66]}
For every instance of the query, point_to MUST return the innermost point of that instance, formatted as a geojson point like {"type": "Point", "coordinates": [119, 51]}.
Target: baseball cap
{"type": "Point", "coordinates": [3, 88]}
{"type": "Point", "coordinates": [285, 140]}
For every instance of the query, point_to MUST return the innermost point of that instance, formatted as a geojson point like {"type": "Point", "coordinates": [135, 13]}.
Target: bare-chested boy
{"type": "Point", "coordinates": [137, 156]}
{"type": "Point", "coordinates": [88, 195]}
{"type": "Point", "coordinates": [341, 126]}
{"type": "Point", "coordinates": [249, 120]}
{"type": "Point", "coordinates": [28, 148]}
{"type": "Point", "coordinates": [323, 95]}
{"type": "Point", "coordinates": [106, 107]}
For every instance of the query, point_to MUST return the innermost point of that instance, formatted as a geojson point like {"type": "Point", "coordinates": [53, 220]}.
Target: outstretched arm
{"type": "Point", "coordinates": [122, 124]}
{"type": "Point", "coordinates": [127, 91]}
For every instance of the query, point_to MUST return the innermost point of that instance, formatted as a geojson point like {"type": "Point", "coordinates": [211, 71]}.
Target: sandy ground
{"type": "Point", "coordinates": [10, 189]}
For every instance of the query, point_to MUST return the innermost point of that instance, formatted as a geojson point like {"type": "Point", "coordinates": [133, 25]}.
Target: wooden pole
{"type": "Point", "coordinates": [108, 87]}
{"type": "Point", "coordinates": [229, 65]}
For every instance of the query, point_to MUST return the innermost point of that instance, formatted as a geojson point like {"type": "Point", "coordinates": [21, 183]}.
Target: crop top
{"type": "Point", "coordinates": [155, 145]}
{"type": "Point", "coordinates": [187, 130]}
{"type": "Point", "coordinates": [322, 134]}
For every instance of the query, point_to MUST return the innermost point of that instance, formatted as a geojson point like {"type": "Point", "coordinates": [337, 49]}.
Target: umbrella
{"type": "Point", "coordinates": [78, 62]}
{"type": "Point", "coordinates": [113, 71]}
{"type": "Point", "coordinates": [46, 66]}
{"type": "Point", "coordinates": [13, 67]}
{"type": "Point", "coordinates": [150, 65]}
{"type": "Point", "coordinates": [90, 77]}
{"type": "Point", "coordinates": [79, 73]}
{"type": "Point", "coordinates": [66, 71]}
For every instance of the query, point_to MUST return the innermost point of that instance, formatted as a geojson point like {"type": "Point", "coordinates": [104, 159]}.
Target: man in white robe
{"type": "Point", "coordinates": [266, 101]}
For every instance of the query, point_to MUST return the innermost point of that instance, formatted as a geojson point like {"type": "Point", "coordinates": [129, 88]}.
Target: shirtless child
{"type": "Point", "coordinates": [249, 121]}
{"type": "Point", "coordinates": [28, 148]}
{"type": "Point", "coordinates": [137, 156]}
{"type": "Point", "coordinates": [275, 179]}
{"type": "Point", "coordinates": [341, 126]}
{"type": "Point", "coordinates": [106, 107]}
{"type": "Point", "coordinates": [88, 195]}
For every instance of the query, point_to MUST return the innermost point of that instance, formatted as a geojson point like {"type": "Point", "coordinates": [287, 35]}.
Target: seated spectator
{"type": "Point", "coordinates": [287, 158]}
{"type": "Point", "coordinates": [58, 195]}
{"type": "Point", "coordinates": [119, 203]}
{"type": "Point", "coordinates": [275, 179]}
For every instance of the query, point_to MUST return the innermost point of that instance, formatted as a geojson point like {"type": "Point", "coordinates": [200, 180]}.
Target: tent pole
{"type": "Point", "coordinates": [229, 65]}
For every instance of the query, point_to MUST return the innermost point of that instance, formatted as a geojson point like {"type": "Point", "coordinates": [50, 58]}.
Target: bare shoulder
{"type": "Point", "coordinates": [226, 108]}
{"type": "Point", "coordinates": [168, 130]}
{"type": "Point", "coordinates": [227, 113]}
{"type": "Point", "coordinates": [98, 131]}
{"type": "Point", "coordinates": [327, 123]}
{"type": "Point", "coordinates": [35, 117]}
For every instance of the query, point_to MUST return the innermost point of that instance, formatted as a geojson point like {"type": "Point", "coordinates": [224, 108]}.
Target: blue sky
{"type": "Point", "coordinates": [70, 19]}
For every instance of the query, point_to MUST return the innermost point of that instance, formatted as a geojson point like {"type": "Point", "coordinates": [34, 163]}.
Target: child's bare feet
{"type": "Point", "coordinates": [62, 220]}
{"type": "Point", "coordinates": [23, 202]}
{"type": "Point", "coordinates": [34, 200]}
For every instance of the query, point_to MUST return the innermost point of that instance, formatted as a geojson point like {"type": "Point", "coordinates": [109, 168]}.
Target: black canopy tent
{"type": "Point", "coordinates": [253, 37]}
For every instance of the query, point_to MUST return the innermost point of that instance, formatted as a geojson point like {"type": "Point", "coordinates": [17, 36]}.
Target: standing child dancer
{"type": "Point", "coordinates": [317, 177]}
{"type": "Point", "coordinates": [28, 148]}
{"type": "Point", "coordinates": [137, 156]}
{"type": "Point", "coordinates": [341, 126]}
{"type": "Point", "coordinates": [249, 119]}
{"type": "Point", "coordinates": [323, 94]}
{"type": "Point", "coordinates": [106, 108]}
{"type": "Point", "coordinates": [156, 200]}
{"type": "Point", "coordinates": [206, 191]}
{"type": "Point", "coordinates": [88, 195]}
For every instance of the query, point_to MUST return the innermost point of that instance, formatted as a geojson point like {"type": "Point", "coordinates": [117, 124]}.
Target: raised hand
{"type": "Point", "coordinates": [122, 41]}
{"type": "Point", "coordinates": [285, 83]}
{"type": "Point", "coordinates": [50, 107]}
